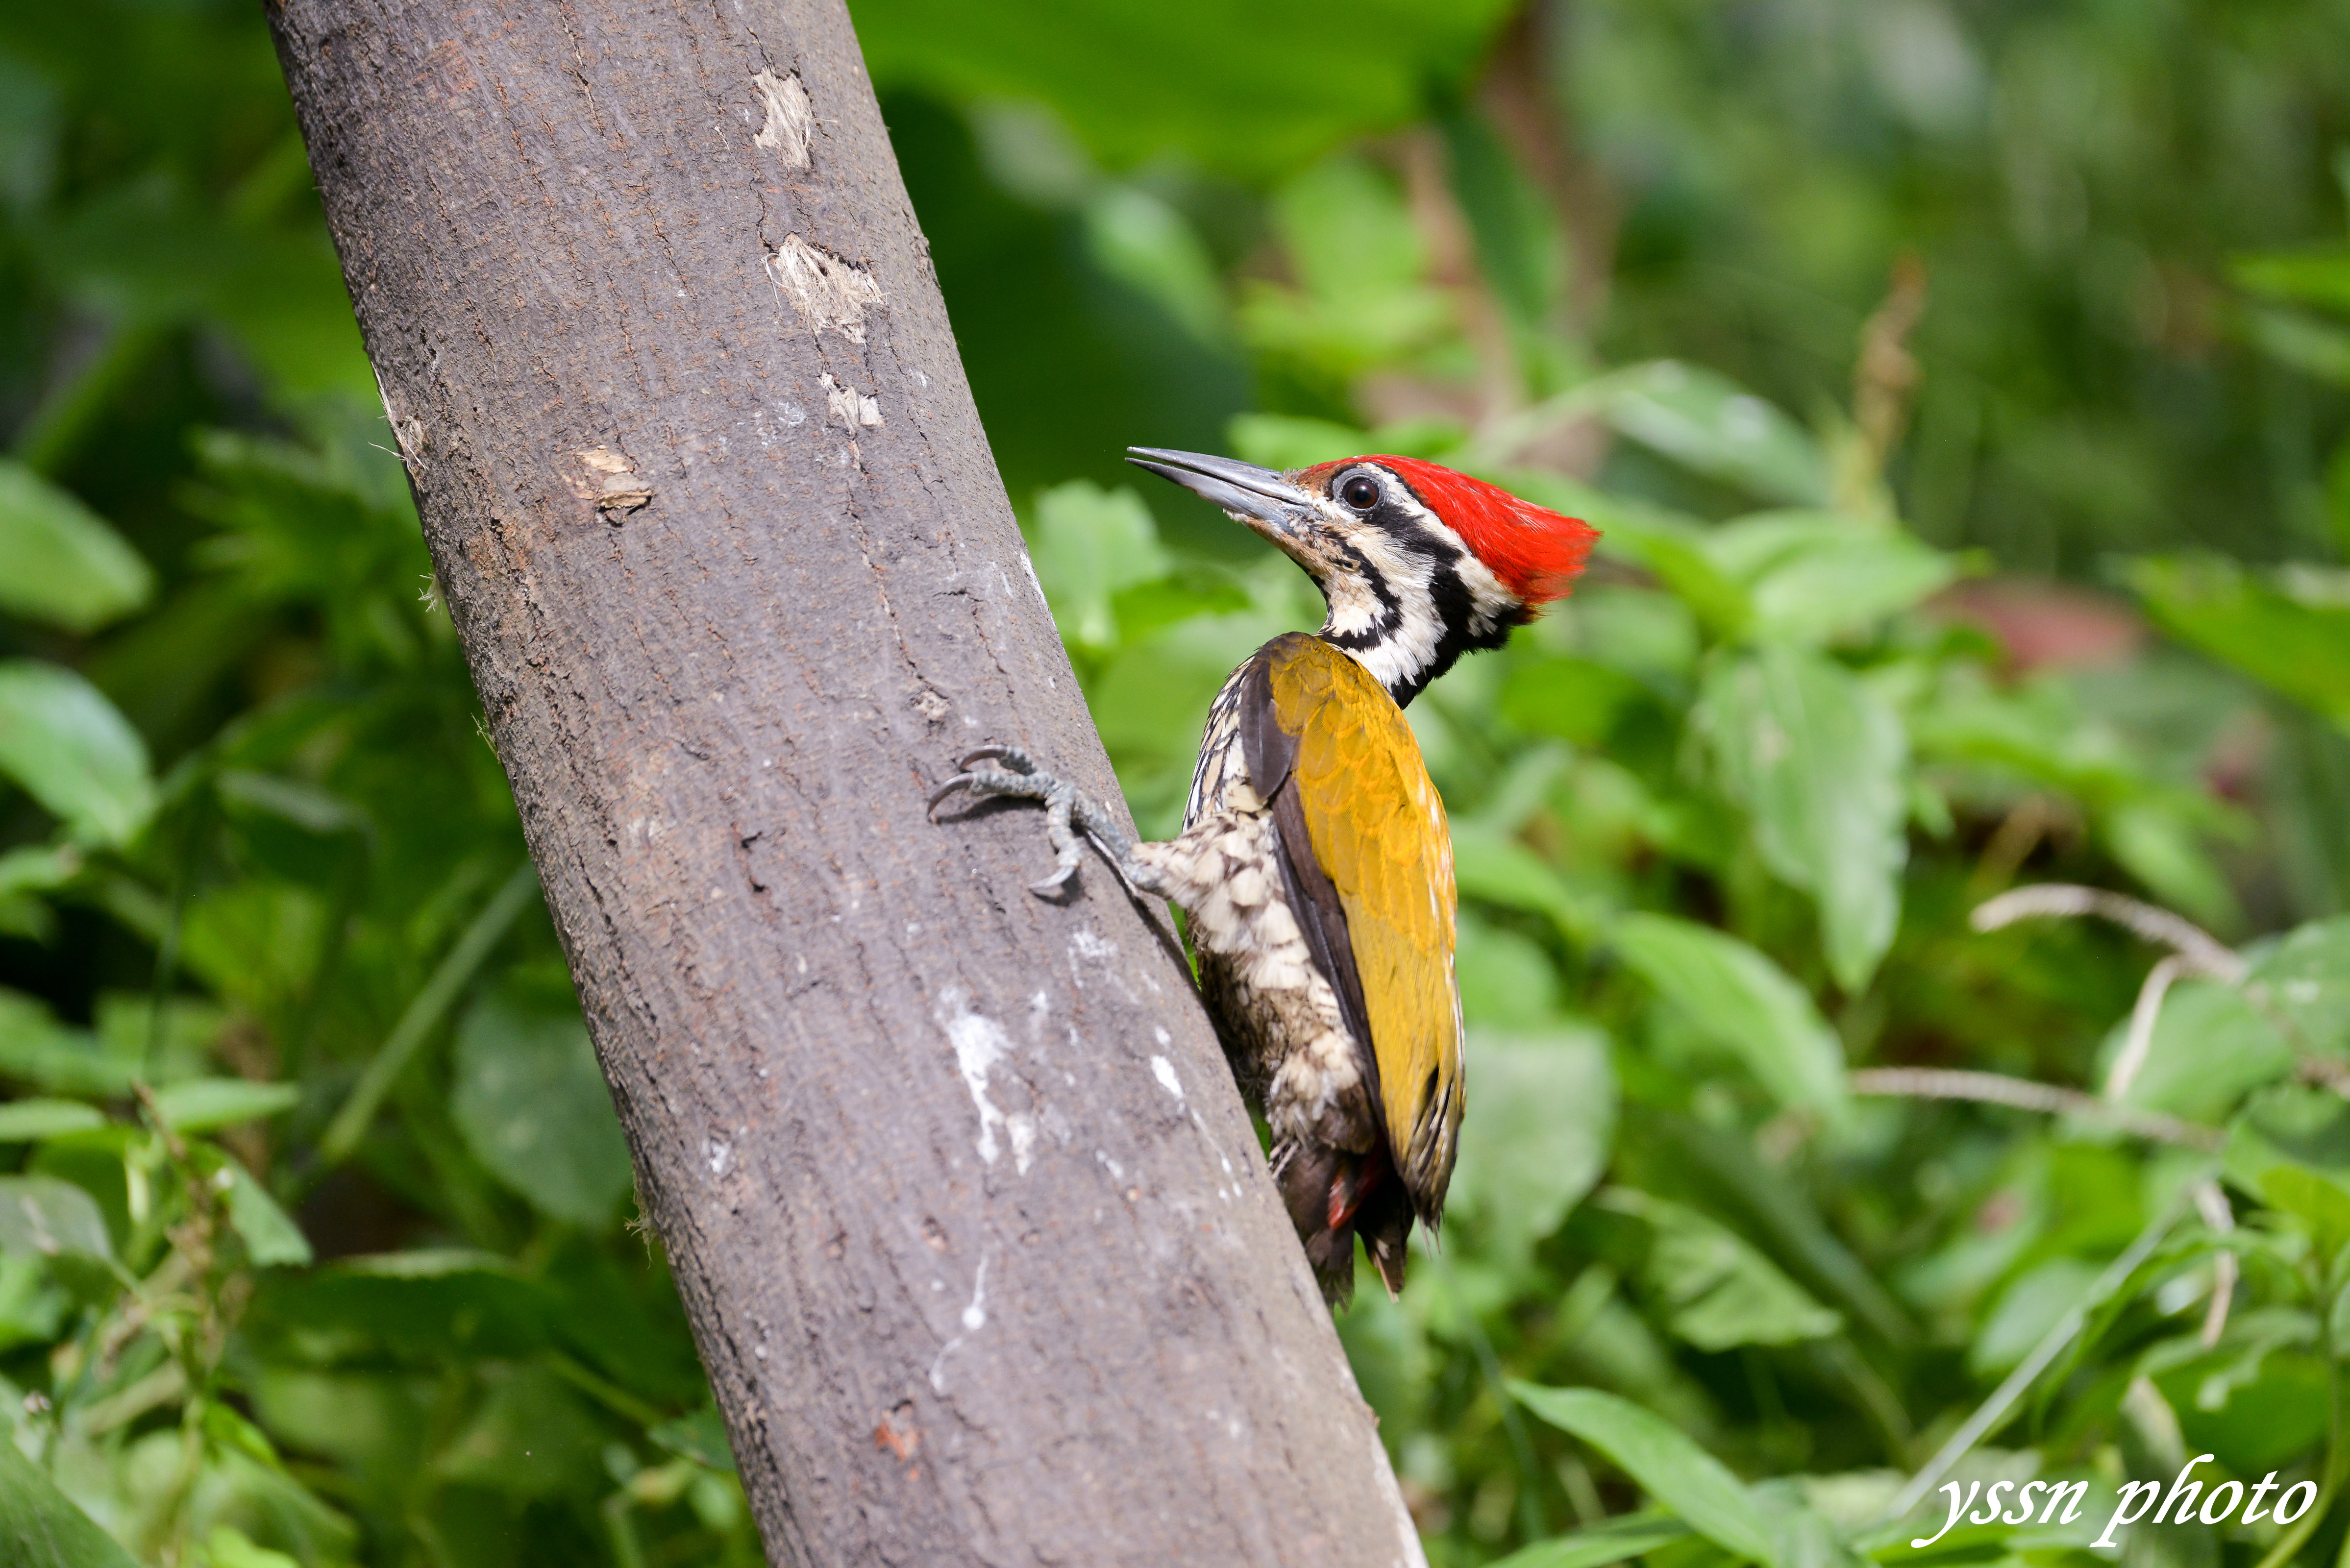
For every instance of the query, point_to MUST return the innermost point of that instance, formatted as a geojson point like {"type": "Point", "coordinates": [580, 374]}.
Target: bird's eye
{"type": "Point", "coordinates": [1361, 492]}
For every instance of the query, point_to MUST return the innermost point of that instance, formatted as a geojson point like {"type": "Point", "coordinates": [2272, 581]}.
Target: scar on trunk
{"type": "Point", "coordinates": [828, 292]}
{"type": "Point", "coordinates": [790, 118]}
{"type": "Point", "coordinates": [610, 479]}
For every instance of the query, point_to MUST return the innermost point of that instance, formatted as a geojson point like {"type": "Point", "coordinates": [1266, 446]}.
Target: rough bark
{"type": "Point", "coordinates": [972, 1230]}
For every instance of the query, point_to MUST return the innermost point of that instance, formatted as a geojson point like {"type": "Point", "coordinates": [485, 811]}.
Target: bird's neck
{"type": "Point", "coordinates": [1405, 629]}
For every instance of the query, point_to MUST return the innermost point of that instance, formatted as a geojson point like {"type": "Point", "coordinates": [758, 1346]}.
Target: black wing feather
{"type": "Point", "coordinates": [1270, 753]}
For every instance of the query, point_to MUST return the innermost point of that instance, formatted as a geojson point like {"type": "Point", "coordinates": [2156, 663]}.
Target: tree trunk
{"type": "Point", "coordinates": [974, 1235]}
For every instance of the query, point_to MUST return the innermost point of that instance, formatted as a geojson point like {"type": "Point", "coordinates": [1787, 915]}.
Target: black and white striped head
{"type": "Point", "coordinates": [1420, 564]}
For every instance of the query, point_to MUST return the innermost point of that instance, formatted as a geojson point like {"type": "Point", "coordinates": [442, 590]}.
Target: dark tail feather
{"type": "Point", "coordinates": [1331, 1195]}
{"type": "Point", "coordinates": [1385, 1221]}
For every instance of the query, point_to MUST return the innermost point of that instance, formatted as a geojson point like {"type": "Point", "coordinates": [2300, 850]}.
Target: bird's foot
{"type": "Point", "coordinates": [1070, 815]}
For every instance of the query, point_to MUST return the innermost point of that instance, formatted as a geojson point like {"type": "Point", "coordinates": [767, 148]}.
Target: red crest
{"type": "Point", "coordinates": [1537, 552]}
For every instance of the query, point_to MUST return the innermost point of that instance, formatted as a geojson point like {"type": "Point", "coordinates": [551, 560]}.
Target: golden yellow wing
{"type": "Point", "coordinates": [1378, 835]}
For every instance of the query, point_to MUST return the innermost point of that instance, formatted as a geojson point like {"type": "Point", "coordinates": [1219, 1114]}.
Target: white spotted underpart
{"type": "Point", "coordinates": [1289, 1044]}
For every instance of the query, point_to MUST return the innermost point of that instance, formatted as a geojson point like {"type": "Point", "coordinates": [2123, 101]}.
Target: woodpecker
{"type": "Point", "coordinates": [1314, 867]}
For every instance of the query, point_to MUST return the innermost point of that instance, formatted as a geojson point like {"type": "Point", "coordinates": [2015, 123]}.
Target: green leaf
{"type": "Point", "coordinates": [270, 1235]}
{"type": "Point", "coordinates": [2162, 846]}
{"type": "Point", "coordinates": [1667, 1465]}
{"type": "Point", "coordinates": [228, 1547]}
{"type": "Point", "coordinates": [2290, 633]}
{"type": "Point", "coordinates": [1136, 81]}
{"type": "Point", "coordinates": [2027, 1311]}
{"type": "Point", "coordinates": [304, 805]}
{"type": "Point", "coordinates": [202, 1104]}
{"type": "Point", "coordinates": [1151, 248]}
{"type": "Point", "coordinates": [2305, 980]}
{"type": "Point", "coordinates": [64, 742]}
{"type": "Point", "coordinates": [699, 1437]}
{"type": "Point", "coordinates": [1493, 869]}
{"type": "Point", "coordinates": [2319, 276]}
{"type": "Point", "coordinates": [1539, 1131]}
{"type": "Point", "coordinates": [1292, 441]}
{"type": "Point", "coordinates": [1708, 422]}
{"type": "Point", "coordinates": [1090, 542]}
{"type": "Point", "coordinates": [30, 1121]}
{"type": "Point", "coordinates": [1600, 1545]}
{"type": "Point", "coordinates": [1361, 262]}
{"type": "Point", "coordinates": [1182, 593]}
{"type": "Point", "coordinates": [41, 1524]}
{"type": "Point", "coordinates": [1815, 576]}
{"type": "Point", "coordinates": [38, 869]}
{"type": "Point", "coordinates": [427, 1305]}
{"type": "Point", "coordinates": [64, 567]}
{"type": "Point", "coordinates": [1521, 249]}
{"type": "Point", "coordinates": [2317, 1203]}
{"type": "Point", "coordinates": [35, 1048]}
{"type": "Point", "coordinates": [1820, 765]}
{"type": "Point", "coordinates": [531, 1438]}
{"type": "Point", "coordinates": [1743, 1003]}
{"type": "Point", "coordinates": [1717, 1290]}
{"type": "Point", "coordinates": [1574, 698]}
{"type": "Point", "coordinates": [41, 1216]}
{"type": "Point", "coordinates": [2315, 346]}
{"type": "Point", "coordinates": [2211, 1046]}
{"type": "Point", "coordinates": [531, 1102]}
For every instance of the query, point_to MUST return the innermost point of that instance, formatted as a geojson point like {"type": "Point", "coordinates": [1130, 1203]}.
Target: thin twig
{"type": "Point", "coordinates": [2203, 953]}
{"type": "Point", "coordinates": [1995, 1088]}
{"type": "Point", "coordinates": [2212, 1202]}
{"type": "Point", "coordinates": [2138, 1043]}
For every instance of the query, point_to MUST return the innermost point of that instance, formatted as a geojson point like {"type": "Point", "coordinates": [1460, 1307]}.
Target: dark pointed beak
{"type": "Point", "coordinates": [1263, 499]}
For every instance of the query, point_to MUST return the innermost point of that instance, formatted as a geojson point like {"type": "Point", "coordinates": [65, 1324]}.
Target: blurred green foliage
{"type": "Point", "coordinates": [1960, 391]}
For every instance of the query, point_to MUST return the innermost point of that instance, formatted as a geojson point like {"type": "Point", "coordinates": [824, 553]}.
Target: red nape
{"type": "Point", "coordinates": [1534, 550]}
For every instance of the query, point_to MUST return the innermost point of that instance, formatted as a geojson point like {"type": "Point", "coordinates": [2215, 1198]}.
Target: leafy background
{"type": "Point", "coordinates": [1959, 386]}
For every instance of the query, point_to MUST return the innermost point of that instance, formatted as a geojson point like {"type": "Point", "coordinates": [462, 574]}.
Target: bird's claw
{"type": "Point", "coordinates": [1021, 783]}
{"type": "Point", "coordinates": [1013, 758]}
{"type": "Point", "coordinates": [1020, 778]}
{"type": "Point", "coordinates": [1067, 847]}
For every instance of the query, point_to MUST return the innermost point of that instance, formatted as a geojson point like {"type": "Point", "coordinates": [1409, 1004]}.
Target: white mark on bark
{"type": "Point", "coordinates": [850, 406]}
{"type": "Point", "coordinates": [975, 1318]}
{"type": "Point", "coordinates": [1164, 1071]}
{"type": "Point", "coordinates": [828, 292]}
{"type": "Point", "coordinates": [979, 1044]}
{"type": "Point", "coordinates": [790, 118]}
{"type": "Point", "coordinates": [1034, 581]}
{"type": "Point", "coordinates": [718, 1152]}
{"type": "Point", "coordinates": [1110, 1165]}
